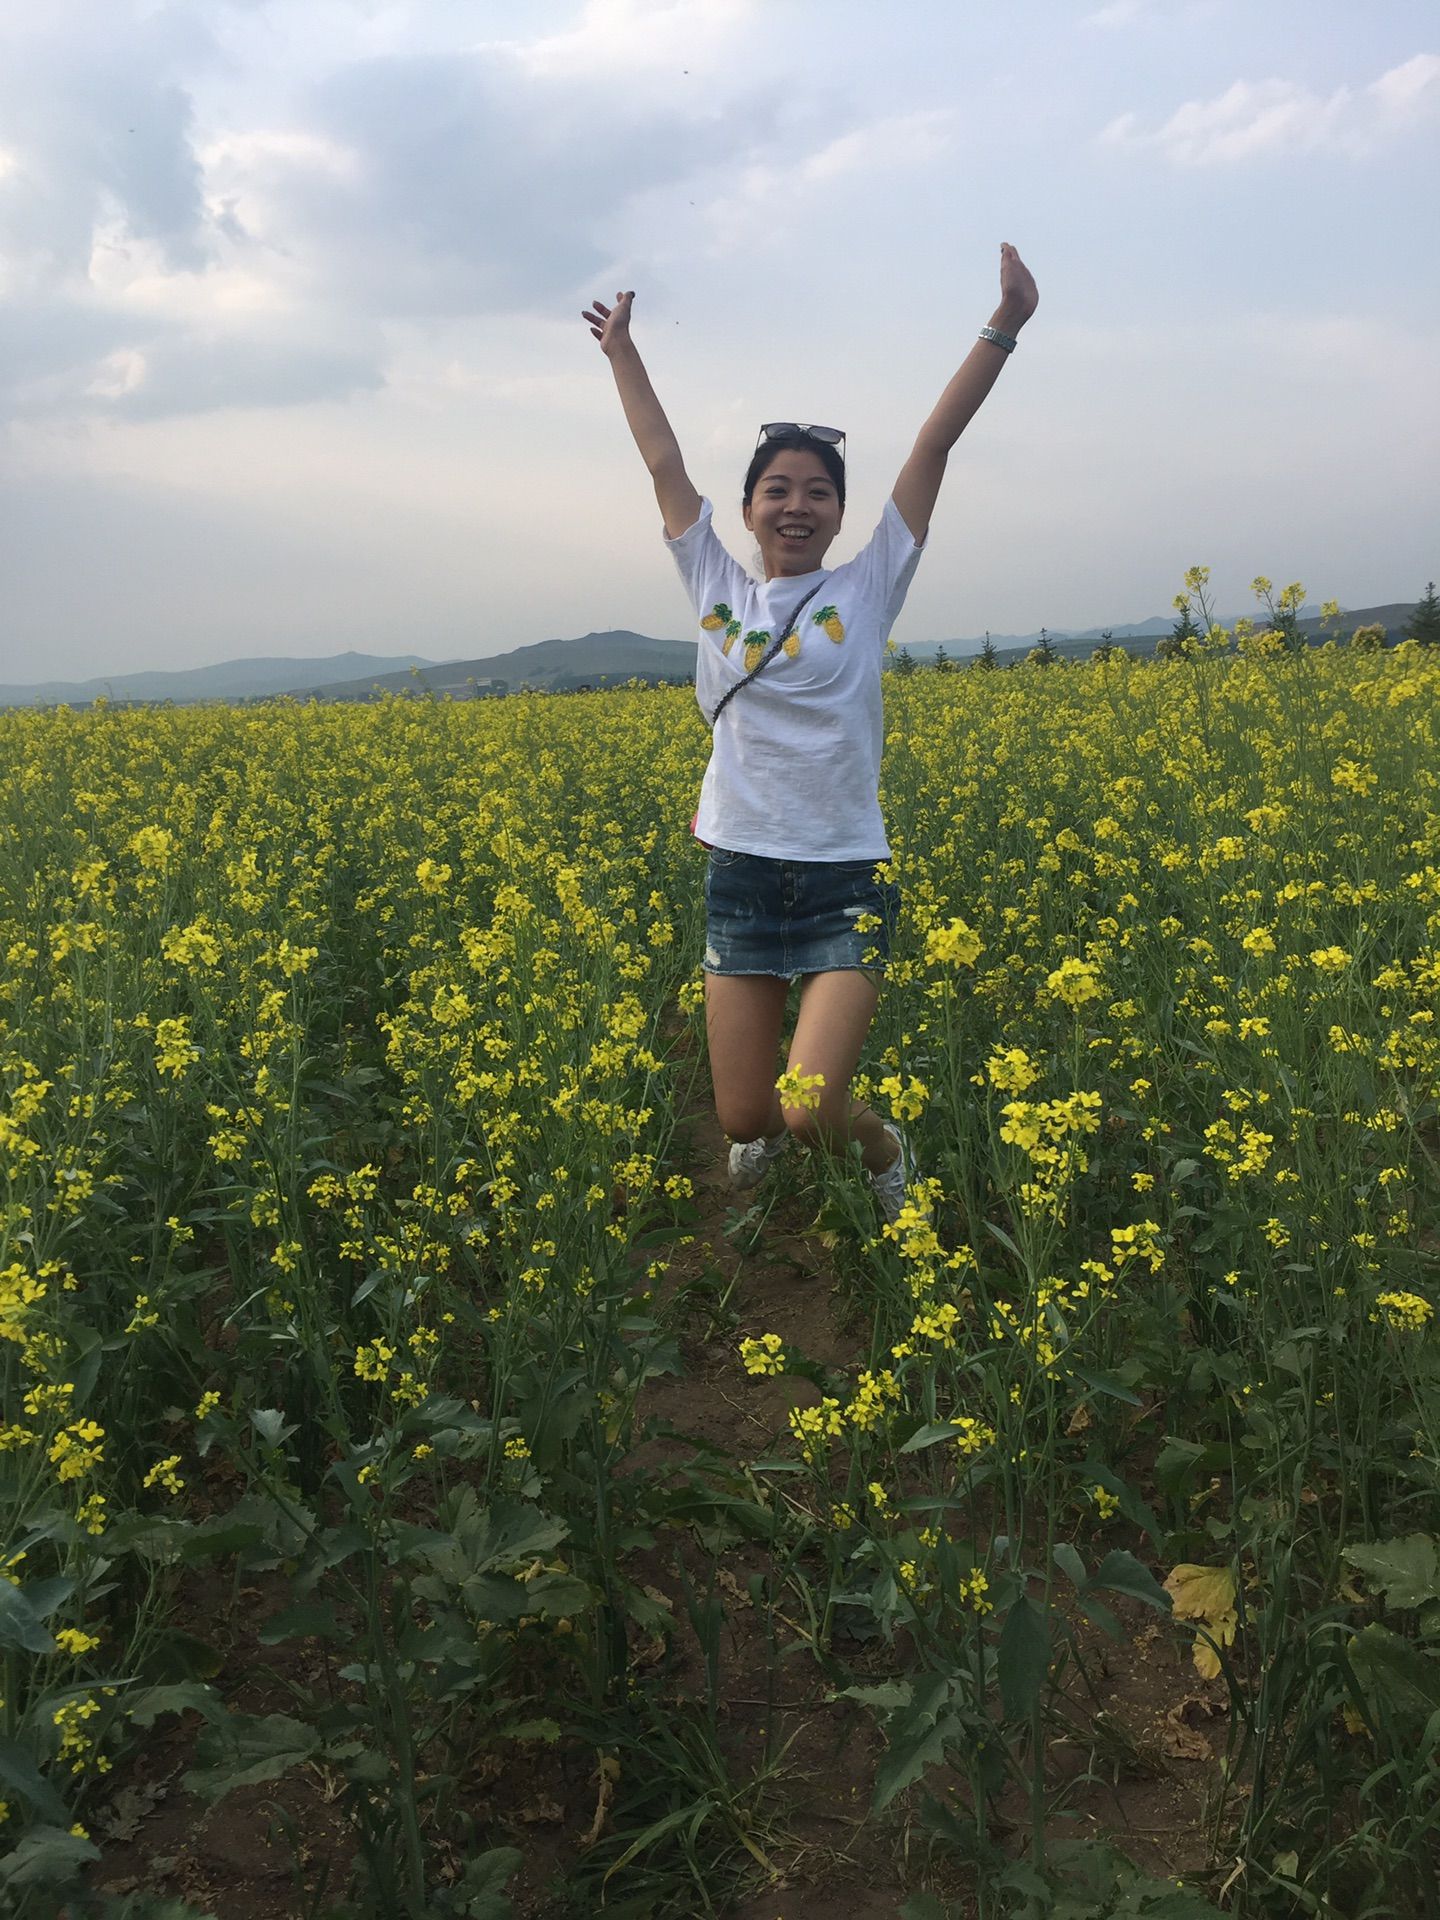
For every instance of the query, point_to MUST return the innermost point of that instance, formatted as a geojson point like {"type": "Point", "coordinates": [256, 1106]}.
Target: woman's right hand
{"type": "Point", "coordinates": [610, 325]}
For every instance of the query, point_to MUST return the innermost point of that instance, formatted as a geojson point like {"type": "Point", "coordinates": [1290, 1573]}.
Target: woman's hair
{"type": "Point", "coordinates": [767, 450]}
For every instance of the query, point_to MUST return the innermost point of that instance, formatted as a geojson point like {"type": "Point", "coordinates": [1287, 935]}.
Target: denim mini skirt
{"type": "Point", "coordinates": [792, 917]}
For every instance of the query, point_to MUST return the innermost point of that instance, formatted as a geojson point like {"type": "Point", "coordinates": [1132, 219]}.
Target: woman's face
{"type": "Point", "coordinates": [794, 513]}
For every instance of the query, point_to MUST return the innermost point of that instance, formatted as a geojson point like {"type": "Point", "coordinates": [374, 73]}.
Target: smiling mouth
{"type": "Point", "coordinates": [796, 533]}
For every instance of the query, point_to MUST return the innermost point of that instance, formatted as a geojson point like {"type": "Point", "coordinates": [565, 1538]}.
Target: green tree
{"type": "Point", "coordinates": [943, 662]}
{"type": "Point", "coordinates": [1043, 655]}
{"type": "Point", "coordinates": [988, 657]}
{"type": "Point", "coordinates": [903, 663]}
{"type": "Point", "coordinates": [1425, 620]}
{"type": "Point", "coordinates": [1183, 634]}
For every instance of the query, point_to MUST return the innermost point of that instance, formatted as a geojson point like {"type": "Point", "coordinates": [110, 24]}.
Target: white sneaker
{"type": "Point", "coordinates": [751, 1160]}
{"type": "Point", "coordinates": [889, 1186]}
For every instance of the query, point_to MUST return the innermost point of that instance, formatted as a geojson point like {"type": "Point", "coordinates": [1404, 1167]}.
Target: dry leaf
{"type": "Point", "coordinates": [1079, 1419]}
{"type": "Point", "coordinates": [544, 1811]}
{"type": "Point", "coordinates": [1178, 1738]}
{"type": "Point", "coordinates": [731, 1587]}
{"type": "Point", "coordinates": [1206, 1594]}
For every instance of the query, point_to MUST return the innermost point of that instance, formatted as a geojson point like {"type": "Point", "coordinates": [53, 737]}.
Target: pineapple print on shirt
{"type": "Point", "coordinates": [721, 619]}
{"type": "Point", "coordinates": [720, 616]}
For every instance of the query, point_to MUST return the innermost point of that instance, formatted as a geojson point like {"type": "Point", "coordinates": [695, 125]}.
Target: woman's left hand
{"type": "Point", "coordinates": [1019, 296]}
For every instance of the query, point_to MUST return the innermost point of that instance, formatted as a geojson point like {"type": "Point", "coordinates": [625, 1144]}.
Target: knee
{"type": "Point", "coordinates": [818, 1126]}
{"type": "Point", "coordinates": [743, 1119]}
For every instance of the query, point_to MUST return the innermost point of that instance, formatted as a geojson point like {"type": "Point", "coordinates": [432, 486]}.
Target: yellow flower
{"type": "Point", "coordinates": [1330, 959]}
{"type": "Point", "coordinates": [73, 1641]}
{"type": "Point", "coordinates": [766, 1355]}
{"type": "Point", "coordinates": [175, 1051]}
{"type": "Point", "coordinates": [1074, 981]}
{"type": "Point", "coordinates": [953, 945]}
{"type": "Point", "coordinates": [798, 1089]}
{"type": "Point", "coordinates": [1405, 1312]}
{"type": "Point", "coordinates": [163, 1472]}
{"type": "Point", "coordinates": [372, 1362]}
{"type": "Point", "coordinates": [1012, 1071]}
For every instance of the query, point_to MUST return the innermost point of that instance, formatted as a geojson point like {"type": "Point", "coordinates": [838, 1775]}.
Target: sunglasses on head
{"type": "Point", "coordinates": [797, 430]}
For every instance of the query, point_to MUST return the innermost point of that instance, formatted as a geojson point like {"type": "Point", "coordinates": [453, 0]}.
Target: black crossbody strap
{"type": "Point", "coordinates": [760, 665]}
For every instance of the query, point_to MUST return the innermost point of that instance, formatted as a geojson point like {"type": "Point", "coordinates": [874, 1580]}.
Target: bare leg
{"type": "Point", "coordinates": [835, 1014]}
{"type": "Point", "coordinates": [743, 1017]}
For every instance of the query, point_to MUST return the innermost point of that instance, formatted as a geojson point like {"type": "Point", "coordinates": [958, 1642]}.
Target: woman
{"type": "Point", "coordinates": [788, 675]}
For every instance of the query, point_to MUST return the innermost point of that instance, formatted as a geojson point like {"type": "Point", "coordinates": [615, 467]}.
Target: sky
{"type": "Point", "coordinates": [291, 356]}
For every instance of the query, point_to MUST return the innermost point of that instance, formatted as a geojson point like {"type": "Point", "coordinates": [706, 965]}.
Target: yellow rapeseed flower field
{"type": "Point", "coordinates": [342, 1054]}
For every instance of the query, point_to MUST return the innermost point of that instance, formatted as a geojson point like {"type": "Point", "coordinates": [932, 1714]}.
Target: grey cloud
{"type": "Point", "coordinates": [96, 112]}
{"type": "Point", "coordinates": [478, 186]}
{"type": "Point", "coordinates": [481, 187]}
{"type": "Point", "coordinates": [193, 376]}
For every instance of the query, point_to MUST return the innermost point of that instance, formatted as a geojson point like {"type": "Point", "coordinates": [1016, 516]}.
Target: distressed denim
{"type": "Point", "coordinates": [788, 918]}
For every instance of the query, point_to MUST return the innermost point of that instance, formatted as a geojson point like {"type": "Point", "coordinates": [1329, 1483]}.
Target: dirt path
{"type": "Point", "coordinates": [755, 1263]}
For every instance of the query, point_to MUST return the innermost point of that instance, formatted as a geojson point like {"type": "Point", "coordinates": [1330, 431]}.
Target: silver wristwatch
{"type": "Point", "coordinates": [1005, 340]}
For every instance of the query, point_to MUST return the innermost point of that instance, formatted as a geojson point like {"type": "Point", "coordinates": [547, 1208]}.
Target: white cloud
{"type": "Point", "coordinates": [395, 184]}
{"type": "Point", "coordinates": [773, 198]}
{"type": "Point", "coordinates": [1253, 118]}
{"type": "Point", "coordinates": [627, 37]}
{"type": "Point", "coordinates": [1408, 88]}
{"type": "Point", "coordinates": [1119, 13]}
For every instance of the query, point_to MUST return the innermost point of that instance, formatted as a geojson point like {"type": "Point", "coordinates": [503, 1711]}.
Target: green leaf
{"type": "Point", "coordinates": [45, 1856]}
{"type": "Point", "coordinates": [1022, 1659]}
{"type": "Point", "coordinates": [270, 1424]}
{"type": "Point", "coordinates": [697, 1813]}
{"type": "Point", "coordinates": [20, 1625]}
{"type": "Point", "coordinates": [1395, 1672]}
{"type": "Point", "coordinates": [1176, 1462]}
{"type": "Point", "coordinates": [1107, 1383]}
{"type": "Point", "coordinates": [1406, 1570]}
{"type": "Point", "coordinates": [1070, 1564]}
{"type": "Point", "coordinates": [310, 1620]}
{"type": "Point", "coordinates": [19, 1773]}
{"type": "Point", "coordinates": [146, 1706]}
{"type": "Point", "coordinates": [931, 1435]}
{"type": "Point", "coordinates": [547, 1731]}
{"type": "Point", "coordinates": [1121, 1572]}
{"type": "Point", "coordinates": [241, 1750]}
{"type": "Point", "coordinates": [480, 1890]}
{"type": "Point", "coordinates": [887, 1695]}
{"type": "Point", "coordinates": [909, 1755]}
{"type": "Point", "coordinates": [213, 1539]}
{"type": "Point", "coordinates": [555, 1595]}
{"type": "Point", "coordinates": [922, 1906]}
{"type": "Point", "coordinates": [497, 1598]}
{"type": "Point", "coordinates": [46, 1595]}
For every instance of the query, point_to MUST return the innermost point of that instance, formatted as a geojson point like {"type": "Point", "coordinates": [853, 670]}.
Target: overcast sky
{"type": "Point", "coordinates": [291, 358]}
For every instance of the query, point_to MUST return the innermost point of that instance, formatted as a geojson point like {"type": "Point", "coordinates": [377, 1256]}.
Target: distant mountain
{"type": "Point", "coordinates": [561, 666]}
{"type": "Point", "coordinates": [1140, 638]}
{"type": "Point", "coordinates": [230, 680]}
{"type": "Point", "coordinates": [553, 666]}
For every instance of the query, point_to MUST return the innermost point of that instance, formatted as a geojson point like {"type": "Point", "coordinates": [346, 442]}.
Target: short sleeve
{"type": "Point", "coordinates": [711, 576]}
{"type": "Point", "coordinates": [885, 565]}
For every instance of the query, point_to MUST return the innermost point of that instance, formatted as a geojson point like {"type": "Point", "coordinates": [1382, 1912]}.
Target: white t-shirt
{"type": "Point", "coordinates": [794, 769]}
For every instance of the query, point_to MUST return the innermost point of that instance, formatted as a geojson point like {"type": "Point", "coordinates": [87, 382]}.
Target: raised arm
{"type": "Point", "coordinates": [919, 484]}
{"type": "Point", "coordinates": [654, 436]}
